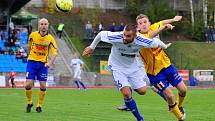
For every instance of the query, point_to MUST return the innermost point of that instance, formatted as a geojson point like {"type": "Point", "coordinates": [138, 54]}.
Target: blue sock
{"type": "Point", "coordinates": [82, 84]}
{"type": "Point", "coordinates": [161, 94]}
{"type": "Point", "coordinates": [131, 104]}
{"type": "Point", "coordinates": [76, 82]}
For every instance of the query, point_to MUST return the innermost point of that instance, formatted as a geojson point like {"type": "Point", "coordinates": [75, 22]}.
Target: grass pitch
{"type": "Point", "coordinates": [100, 105]}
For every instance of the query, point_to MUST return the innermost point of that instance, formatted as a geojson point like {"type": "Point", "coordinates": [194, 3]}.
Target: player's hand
{"type": "Point", "coordinates": [169, 26]}
{"type": "Point", "coordinates": [47, 65]}
{"type": "Point", "coordinates": [87, 51]}
{"type": "Point", "coordinates": [177, 18]}
{"type": "Point", "coordinates": [168, 45]}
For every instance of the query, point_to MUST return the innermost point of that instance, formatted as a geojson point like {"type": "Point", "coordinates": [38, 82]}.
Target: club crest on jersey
{"type": "Point", "coordinates": [47, 42]}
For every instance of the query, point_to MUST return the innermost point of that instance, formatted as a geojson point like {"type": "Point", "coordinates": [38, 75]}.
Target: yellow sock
{"type": "Point", "coordinates": [180, 100]}
{"type": "Point", "coordinates": [29, 96]}
{"type": "Point", "coordinates": [175, 110]}
{"type": "Point", "coordinates": [41, 98]}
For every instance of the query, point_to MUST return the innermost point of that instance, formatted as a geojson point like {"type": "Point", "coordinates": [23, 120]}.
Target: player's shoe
{"type": "Point", "coordinates": [39, 109]}
{"type": "Point", "coordinates": [123, 108]}
{"type": "Point", "coordinates": [183, 112]}
{"type": "Point", "coordinates": [28, 108]}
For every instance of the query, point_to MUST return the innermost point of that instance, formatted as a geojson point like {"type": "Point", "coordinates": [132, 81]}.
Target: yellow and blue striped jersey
{"type": "Point", "coordinates": [155, 59]}
{"type": "Point", "coordinates": [39, 47]}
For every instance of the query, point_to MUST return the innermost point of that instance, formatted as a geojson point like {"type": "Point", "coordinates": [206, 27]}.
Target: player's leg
{"type": "Point", "coordinates": [80, 81]}
{"type": "Point", "coordinates": [28, 93]}
{"type": "Point", "coordinates": [130, 103]}
{"type": "Point", "coordinates": [76, 79]}
{"type": "Point", "coordinates": [158, 92]}
{"type": "Point", "coordinates": [42, 77]}
{"type": "Point", "coordinates": [41, 96]}
{"type": "Point", "coordinates": [30, 76]}
{"type": "Point", "coordinates": [124, 107]}
{"type": "Point", "coordinates": [123, 85]}
{"type": "Point", "coordinates": [175, 80]}
{"type": "Point", "coordinates": [12, 83]}
{"type": "Point", "coordinates": [181, 96]}
{"type": "Point", "coordinates": [172, 103]}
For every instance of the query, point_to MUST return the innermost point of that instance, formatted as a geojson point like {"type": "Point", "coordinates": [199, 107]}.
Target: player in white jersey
{"type": "Point", "coordinates": [127, 71]}
{"type": "Point", "coordinates": [77, 64]}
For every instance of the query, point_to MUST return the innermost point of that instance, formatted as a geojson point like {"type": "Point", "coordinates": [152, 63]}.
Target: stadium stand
{"type": "Point", "coordinates": [10, 61]}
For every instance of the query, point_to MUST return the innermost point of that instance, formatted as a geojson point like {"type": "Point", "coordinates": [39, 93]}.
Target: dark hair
{"type": "Point", "coordinates": [131, 27]}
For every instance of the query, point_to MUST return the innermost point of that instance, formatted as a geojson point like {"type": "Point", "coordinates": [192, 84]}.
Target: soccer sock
{"type": "Point", "coordinates": [28, 93]}
{"type": "Point", "coordinates": [131, 104]}
{"type": "Point", "coordinates": [41, 96]}
{"type": "Point", "coordinates": [76, 82]}
{"type": "Point", "coordinates": [180, 99]}
{"type": "Point", "coordinates": [82, 84]}
{"type": "Point", "coordinates": [175, 110]}
{"type": "Point", "coordinates": [161, 94]}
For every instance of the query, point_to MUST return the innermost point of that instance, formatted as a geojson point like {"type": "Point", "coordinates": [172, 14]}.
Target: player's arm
{"type": "Point", "coordinates": [101, 36]}
{"type": "Point", "coordinates": [53, 47]}
{"type": "Point", "coordinates": [159, 30]}
{"type": "Point", "coordinates": [89, 50]}
{"type": "Point", "coordinates": [169, 21]}
{"type": "Point", "coordinates": [151, 43]}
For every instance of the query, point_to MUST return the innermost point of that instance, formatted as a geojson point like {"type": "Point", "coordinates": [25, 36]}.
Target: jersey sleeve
{"type": "Point", "coordinates": [30, 40]}
{"type": "Point", "coordinates": [108, 37]}
{"type": "Point", "coordinates": [53, 47]}
{"type": "Point", "coordinates": [149, 43]}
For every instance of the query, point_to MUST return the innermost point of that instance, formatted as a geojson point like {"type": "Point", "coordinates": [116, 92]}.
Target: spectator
{"type": "Point", "coordinates": [1, 51]}
{"type": "Point", "coordinates": [12, 28]}
{"type": "Point", "coordinates": [213, 33]}
{"type": "Point", "coordinates": [121, 27]}
{"type": "Point", "coordinates": [17, 43]}
{"type": "Point", "coordinates": [12, 74]}
{"type": "Point", "coordinates": [112, 27]}
{"type": "Point", "coordinates": [89, 29]}
{"type": "Point", "coordinates": [18, 55]}
{"type": "Point", "coordinates": [60, 29]}
{"type": "Point", "coordinates": [10, 51]}
{"type": "Point", "coordinates": [11, 40]}
{"type": "Point", "coordinates": [5, 50]}
{"type": "Point", "coordinates": [101, 28]}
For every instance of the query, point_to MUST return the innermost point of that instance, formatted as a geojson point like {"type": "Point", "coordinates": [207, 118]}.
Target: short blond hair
{"type": "Point", "coordinates": [140, 16]}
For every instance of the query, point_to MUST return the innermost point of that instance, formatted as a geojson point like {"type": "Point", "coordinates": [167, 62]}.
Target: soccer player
{"type": "Point", "coordinates": [40, 42]}
{"type": "Point", "coordinates": [159, 69]}
{"type": "Point", "coordinates": [77, 64]}
{"type": "Point", "coordinates": [127, 71]}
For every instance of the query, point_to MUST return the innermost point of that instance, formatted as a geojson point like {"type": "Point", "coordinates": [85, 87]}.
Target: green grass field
{"type": "Point", "coordinates": [100, 105]}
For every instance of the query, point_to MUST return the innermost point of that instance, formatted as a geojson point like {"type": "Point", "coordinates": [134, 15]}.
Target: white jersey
{"type": "Point", "coordinates": [76, 64]}
{"type": "Point", "coordinates": [123, 56]}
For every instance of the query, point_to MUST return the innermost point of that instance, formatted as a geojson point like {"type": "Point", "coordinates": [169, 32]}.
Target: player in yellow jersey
{"type": "Point", "coordinates": [158, 66]}
{"type": "Point", "coordinates": [40, 42]}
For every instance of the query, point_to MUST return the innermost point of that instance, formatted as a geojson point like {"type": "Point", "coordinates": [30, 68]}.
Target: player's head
{"type": "Point", "coordinates": [75, 55]}
{"type": "Point", "coordinates": [143, 23]}
{"type": "Point", "coordinates": [129, 33]}
{"type": "Point", "coordinates": [43, 25]}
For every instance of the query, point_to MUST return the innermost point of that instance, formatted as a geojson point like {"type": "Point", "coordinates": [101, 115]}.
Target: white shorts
{"type": "Point", "coordinates": [135, 79]}
{"type": "Point", "coordinates": [77, 74]}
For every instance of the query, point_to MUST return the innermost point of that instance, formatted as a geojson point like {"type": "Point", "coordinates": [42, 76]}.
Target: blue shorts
{"type": "Point", "coordinates": [36, 71]}
{"type": "Point", "coordinates": [165, 77]}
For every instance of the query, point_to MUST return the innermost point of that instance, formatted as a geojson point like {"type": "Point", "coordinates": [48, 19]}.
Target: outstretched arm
{"type": "Point", "coordinates": [89, 50]}
{"type": "Point", "coordinates": [158, 31]}
{"type": "Point", "coordinates": [169, 21]}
